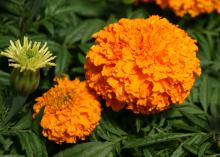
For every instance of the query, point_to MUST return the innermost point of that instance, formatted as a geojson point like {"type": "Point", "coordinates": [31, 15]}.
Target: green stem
{"type": "Point", "coordinates": [16, 105]}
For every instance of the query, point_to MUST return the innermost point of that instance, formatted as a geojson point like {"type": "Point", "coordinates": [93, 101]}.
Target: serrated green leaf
{"type": "Point", "coordinates": [25, 122]}
{"type": "Point", "coordinates": [111, 155]}
{"type": "Point", "coordinates": [204, 93]}
{"type": "Point", "coordinates": [36, 122]}
{"type": "Point", "coordinates": [195, 95]}
{"type": "Point", "coordinates": [49, 26]}
{"type": "Point", "coordinates": [91, 149]}
{"type": "Point", "coordinates": [63, 59]}
{"type": "Point", "coordinates": [94, 27]}
{"type": "Point", "coordinates": [138, 124]}
{"type": "Point", "coordinates": [112, 127]}
{"type": "Point", "coordinates": [34, 7]}
{"type": "Point", "coordinates": [183, 126]}
{"type": "Point", "coordinates": [84, 31]}
{"type": "Point", "coordinates": [128, 1]}
{"type": "Point", "coordinates": [31, 143]}
{"type": "Point", "coordinates": [153, 139]}
{"type": "Point", "coordinates": [78, 70]}
{"type": "Point", "coordinates": [197, 121]}
{"type": "Point", "coordinates": [147, 153]}
{"type": "Point", "coordinates": [88, 8]}
{"type": "Point", "coordinates": [203, 148]}
{"type": "Point", "coordinates": [17, 101]}
{"type": "Point", "coordinates": [85, 47]}
{"type": "Point", "coordinates": [101, 132]}
{"type": "Point", "coordinates": [6, 143]}
{"type": "Point", "coordinates": [4, 78]}
{"type": "Point", "coordinates": [81, 58]}
{"type": "Point", "coordinates": [174, 112]}
{"type": "Point", "coordinates": [10, 155]}
{"type": "Point", "coordinates": [190, 148]}
{"type": "Point", "coordinates": [180, 152]}
{"type": "Point", "coordinates": [214, 108]}
{"type": "Point", "coordinates": [26, 143]}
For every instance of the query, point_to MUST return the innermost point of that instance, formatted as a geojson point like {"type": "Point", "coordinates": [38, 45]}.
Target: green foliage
{"type": "Point", "coordinates": [154, 139]}
{"type": "Point", "coordinates": [190, 129]}
{"type": "Point", "coordinates": [91, 149]}
{"type": "Point", "coordinates": [31, 143]}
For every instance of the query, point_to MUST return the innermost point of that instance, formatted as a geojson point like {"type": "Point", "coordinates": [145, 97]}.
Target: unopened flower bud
{"type": "Point", "coordinates": [27, 59]}
{"type": "Point", "coordinates": [25, 82]}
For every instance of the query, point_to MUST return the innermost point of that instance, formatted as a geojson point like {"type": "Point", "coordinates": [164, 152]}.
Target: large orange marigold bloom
{"type": "Point", "coordinates": [192, 7]}
{"type": "Point", "coordinates": [142, 64]}
{"type": "Point", "coordinates": [71, 111]}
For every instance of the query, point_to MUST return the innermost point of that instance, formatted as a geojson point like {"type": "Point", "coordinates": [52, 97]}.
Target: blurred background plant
{"type": "Point", "coordinates": [191, 129]}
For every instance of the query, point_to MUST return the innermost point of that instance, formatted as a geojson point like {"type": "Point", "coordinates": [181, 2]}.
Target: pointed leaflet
{"type": "Point", "coordinates": [214, 104]}
{"type": "Point", "coordinates": [32, 144]}
{"type": "Point", "coordinates": [196, 120]}
{"type": "Point", "coordinates": [84, 31]}
{"type": "Point", "coordinates": [63, 59]}
{"type": "Point", "coordinates": [153, 139]}
{"type": "Point", "coordinates": [204, 93]}
{"type": "Point", "coordinates": [112, 127]}
{"type": "Point", "coordinates": [85, 8]}
{"type": "Point", "coordinates": [91, 149]}
{"type": "Point", "coordinates": [4, 78]}
{"type": "Point", "coordinates": [25, 122]}
{"type": "Point", "coordinates": [203, 148]}
{"type": "Point", "coordinates": [81, 58]}
{"type": "Point", "coordinates": [147, 153]}
{"type": "Point", "coordinates": [190, 148]}
{"type": "Point", "coordinates": [180, 152]}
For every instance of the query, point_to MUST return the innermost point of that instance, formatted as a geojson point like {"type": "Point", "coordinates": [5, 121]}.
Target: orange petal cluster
{"type": "Point", "coordinates": [142, 64]}
{"type": "Point", "coordinates": [71, 111]}
{"type": "Point", "coordinates": [192, 7]}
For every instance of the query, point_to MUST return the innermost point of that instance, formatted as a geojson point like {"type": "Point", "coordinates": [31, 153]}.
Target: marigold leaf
{"type": "Point", "coordinates": [94, 27]}
{"type": "Point", "coordinates": [91, 149]}
{"type": "Point", "coordinates": [197, 121]}
{"type": "Point", "coordinates": [81, 58]}
{"type": "Point", "coordinates": [17, 102]}
{"type": "Point", "coordinates": [4, 40]}
{"type": "Point", "coordinates": [205, 90]}
{"type": "Point", "coordinates": [112, 127]}
{"type": "Point", "coordinates": [147, 153]}
{"type": "Point", "coordinates": [25, 122]}
{"type": "Point", "coordinates": [84, 47]}
{"type": "Point", "coordinates": [128, 1]}
{"type": "Point", "coordinates": [153, 139]}
{"type": "Point", "coordinates": [14, 155]}
{"type": "Point", "coordinates": [49, 26]}
{"type": "Point", "coordinates": [78, 70]}
{"type": "Point", "coordinates": [63, 59]}
{"type": "Point", "coordinates": [4, 78]}
{"type": "Point", "coordinates": [31, 144]}
{"type": "Point", "coordinates": [5, 142]}
{"type": "Point", "coordinates": [214, 104]}
{"type": "Point", "coordinates": [180, 152]}
{"type": "Point", "coordinates": [183, 126]}
{"type": "Point", "coordinates": [89, 7]}
{"type": "Point", "coordinates": [190, 148]}
{"type": "Point", "coordinates": [203, 148]}
{"type": "Point", "coordinates": [84, 31]}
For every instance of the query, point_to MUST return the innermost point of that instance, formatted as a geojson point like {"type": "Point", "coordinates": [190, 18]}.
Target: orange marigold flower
{"type": "Point", "coordinates": [142, 64]}
{"type": "Point", "coordinates": [71, 111]}
{"type": "Point", "coordinates": [192, 7]}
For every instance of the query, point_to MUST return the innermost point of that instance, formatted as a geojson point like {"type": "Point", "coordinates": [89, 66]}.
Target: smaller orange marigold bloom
{"type": "Point", "coordinates": [192, 7]}
{"type": "Point", "coordinates": [142, 64]}
{"type": "Point", "coordinates": [71, 111]}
